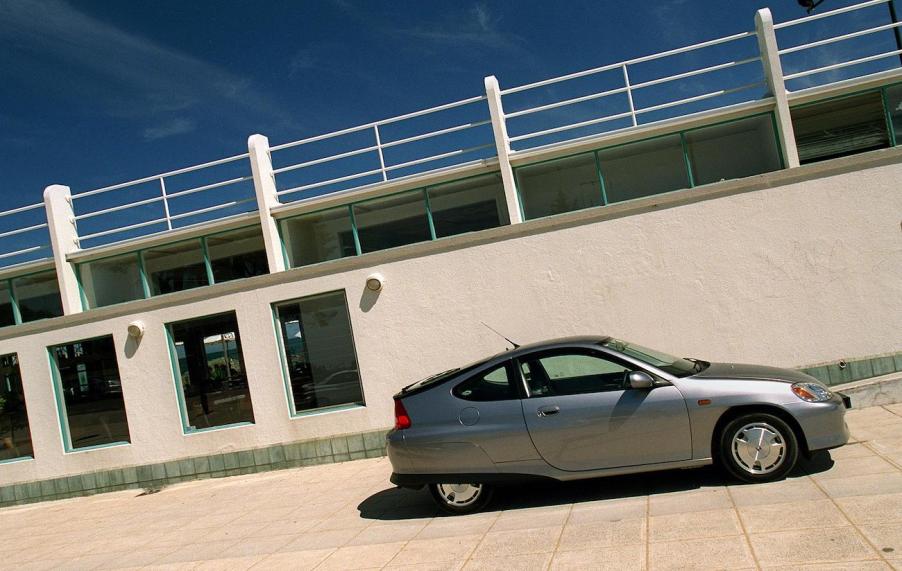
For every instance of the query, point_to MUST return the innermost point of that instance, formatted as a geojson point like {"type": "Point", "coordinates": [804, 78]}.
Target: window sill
{"type": "Point", "coordinates": [327, 410]}
{"type": "Point", "coordinates": [17, 460]}
{"type": "Point", "coordinates": [97, 447]}
{"type": "Point", "coordinates": [189, 431]}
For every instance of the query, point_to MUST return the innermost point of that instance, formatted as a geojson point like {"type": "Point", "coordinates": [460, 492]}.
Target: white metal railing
{"type": "Point", "coordinates": [842, 60]}
{"type": "Point", "coordinates": [166, 220]}
{"type": "Point", "coordinates": [452, 134]}
{"type": "Point", "coordinates": [631, 111]}
{"type": "Point", "coordinates": [379, 166]}
{"type": "Point", "coordinates": [21, 240]}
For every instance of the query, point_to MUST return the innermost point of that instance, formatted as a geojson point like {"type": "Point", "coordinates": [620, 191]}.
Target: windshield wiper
{"type": "Point", "coordinates": [698, 365]}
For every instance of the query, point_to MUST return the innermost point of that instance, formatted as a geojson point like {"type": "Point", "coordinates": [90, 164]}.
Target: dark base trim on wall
{"type": "Point", "coordinates": [341, 448]}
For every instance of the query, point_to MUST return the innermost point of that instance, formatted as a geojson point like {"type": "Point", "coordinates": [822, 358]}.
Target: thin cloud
{"type": "Point", "coordinates": [131, 76]}
{"type": "Point", "coordinates": [476, 27]}
{"type": "Point", "coordinates": [177, 126]}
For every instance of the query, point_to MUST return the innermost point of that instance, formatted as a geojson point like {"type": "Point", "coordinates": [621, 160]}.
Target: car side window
{"type": "Point", "coordinates": [492, 385]}
{"type": "Point", "coordinates": [572, 373]}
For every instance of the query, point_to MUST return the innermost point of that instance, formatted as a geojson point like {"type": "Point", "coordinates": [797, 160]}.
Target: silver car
{"type": "Point", "coordinates": [586, 407]}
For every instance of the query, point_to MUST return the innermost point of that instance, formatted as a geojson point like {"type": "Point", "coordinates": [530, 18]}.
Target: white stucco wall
{"type": "Point", "coordinates": [789, 269]}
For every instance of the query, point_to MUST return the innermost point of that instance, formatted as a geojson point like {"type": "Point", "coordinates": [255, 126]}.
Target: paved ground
{"type": "Point", "coordinates": [840, 511]}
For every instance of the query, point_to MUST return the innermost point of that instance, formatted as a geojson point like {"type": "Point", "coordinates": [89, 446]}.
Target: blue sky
{"type": "Point", "coordinates": [99, 92]}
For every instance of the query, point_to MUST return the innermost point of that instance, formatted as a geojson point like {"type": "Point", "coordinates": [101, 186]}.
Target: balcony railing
{"type": "Point", "coordinates": [820, 49]}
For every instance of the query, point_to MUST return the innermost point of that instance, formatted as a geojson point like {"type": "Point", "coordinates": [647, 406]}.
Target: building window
{"type": "Point", "coordinates": [210, 373]}
{"type": "Point", "coordinates": [37, 296]}
{"type": "Point", "coordinates": [392, 221]}
{"type": "Point", "coordinates": [89, 392]}
{"type": "Point", "coordinates": [7, 313]}
{"type": "Point", "coordinates": [467, 205]}
{"type": "Point", "coordinates": [319, 237]}
{"type": "Point", "coordinates": [175, 267]}
{"type": "Point", "coordinates": [15, 435]}
{"type": "Point", "coordinates": [111, 280]}
{"type": "Point", "coordinates": [840, 127]}
{"type": "Point", "coordinates": [893, 100]}
{"type": "Point", "coordinates": [318, 347]}
{"type": "Point", "coordinates": [237, 254]}
{"type": "Point", "coordinates": [558, 186]}
{"type": "Point", "coordinates": [733, 150]}
{"type": "Point", "coordinates": [643, 168]}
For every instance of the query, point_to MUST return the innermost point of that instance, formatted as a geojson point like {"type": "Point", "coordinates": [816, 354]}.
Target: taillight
{"type": "Point", "coordinates": [402, 419]}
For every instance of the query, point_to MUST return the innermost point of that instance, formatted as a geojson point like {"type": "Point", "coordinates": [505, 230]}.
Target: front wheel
{"type": "Point", "coordinates": [758, 447]}
{"type": "Point", "coordinates": [461, 498]}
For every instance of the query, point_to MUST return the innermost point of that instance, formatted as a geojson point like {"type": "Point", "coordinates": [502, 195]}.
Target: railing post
{"type": "Point", "coordinates": [267, 199]}
{"type": "Point", "coordinates": [773, 73]}
{"type": "Point", "coordinates": [503, 148]}
{"type": "Point", "coordinates": [63, 241]}
{"type": "Point", "coordinates": [379, 149]}
{"type": "Point", "coordinates": [629, 95]}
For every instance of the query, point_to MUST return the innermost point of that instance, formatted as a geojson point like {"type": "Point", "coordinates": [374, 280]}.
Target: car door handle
{"type": "Point", "coordinates": [548, 410]}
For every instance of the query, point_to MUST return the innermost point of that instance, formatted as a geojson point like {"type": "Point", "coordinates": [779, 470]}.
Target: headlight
{"type": "Point", "coordinates": [811, 392]}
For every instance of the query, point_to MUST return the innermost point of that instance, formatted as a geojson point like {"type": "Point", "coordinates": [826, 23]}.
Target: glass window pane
{"type": "Point", "coordinates": [392, 221]}
{"type": "Point", "coordinates": [894, 107]}
{"type": "Point", "coordinates": [840, 127]}
{"type": "Point", "coordinates": [559, 186]}
{"type": "Point", "coordinates": [15, 434]}
{"type": "Point", "coordinates": [494, 385]}
{"type": "Point", "coordinates": [319, 349]}
{"type": "Point", "coordinates": [571, 374]}
{"type": "Point", "coordinates": [112, 280]}
{"type": "Point", "coordinates": [7, 317]}
{"type": "Point", "coordinates": [175, 267]}
{"type": "Point", "coordinates": [88, 375]}
{"type": "Point", "coordinates": [38, 296]}
{"type": "Point", "coordinates": [643, 168]}
{"type": "Point", "coordinates": [318, 237]}
{"type": "Point", "coordinates": [211, 371]}
{"type": "Point", "coordinates": [237, 254]}
{"type": "Point", "coordinates": [468, 205]}
{"type": "Point", "coordinates": [733, 150]}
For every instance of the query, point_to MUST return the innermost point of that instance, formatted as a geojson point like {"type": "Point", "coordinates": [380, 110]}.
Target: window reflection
{"type": "Point", "coordinates": [15, 435]}
{"type": "Point", "coordinates": [319, 352]}
{"type": "Point", "coordinates": [175, 267]}
{"type": "Point", "coordinates": [38, 296]}
{"type": "Point", "coordinates": [211, 371]}
{"type": "Point", "coordinates": [237, 254]}
{"type": "Point", "coordinates": [7, 315]}
{"type": "Point", "coordinates": [92, 392]}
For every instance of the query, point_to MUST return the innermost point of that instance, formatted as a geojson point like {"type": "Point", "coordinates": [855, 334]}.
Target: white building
{"type": "Point", "coordinates": [216, 320]}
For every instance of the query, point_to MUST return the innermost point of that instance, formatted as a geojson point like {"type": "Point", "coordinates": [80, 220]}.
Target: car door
{"type": "Point", "coordinates": [491, 416]}
{"type": "Point", "coordinates": [581, 416]}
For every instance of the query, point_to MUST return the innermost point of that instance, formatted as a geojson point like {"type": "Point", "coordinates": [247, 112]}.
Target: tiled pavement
{"type": "Point", "coordinates": [844, 513]}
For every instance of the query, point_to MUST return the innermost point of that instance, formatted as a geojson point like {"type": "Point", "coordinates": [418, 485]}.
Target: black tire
{"type": "Point", "coordinates": [448, 500]}
{"type": "Point", "coordinates": [742, 441]}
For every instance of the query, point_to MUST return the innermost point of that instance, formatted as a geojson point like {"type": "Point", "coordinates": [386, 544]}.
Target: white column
{"type": "Point", "coordinates": [63, 241]}
{"type": "Point", "coordinates": [503, 147]}
{"type": "Point", "coordinates": [267, 199]}
{"type": "Point", "coordinates": [773, 73]}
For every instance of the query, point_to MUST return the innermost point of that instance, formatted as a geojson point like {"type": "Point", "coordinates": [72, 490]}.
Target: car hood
{"type": "Point", "coordinates": [751, 373]}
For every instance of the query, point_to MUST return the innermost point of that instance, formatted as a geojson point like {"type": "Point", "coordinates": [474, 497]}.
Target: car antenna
{"type": "Point", "coordinates": [516, 346]}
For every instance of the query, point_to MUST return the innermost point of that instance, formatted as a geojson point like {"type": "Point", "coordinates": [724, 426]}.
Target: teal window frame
{"type": "Point", "coordinates": [887, 115]}
{"type": "Point", "coordinates": [174, 368]}
{"type": "Point", "coordinates": [687, 161]}
{"type": "Point", "coordinates": [13, 298]}
{"type": "Point", "coordinates": [60, 400]}
{"type": "Point", "coordinates": [26, 457]}
{"type": "Point", "coordinates": [283, 361]}
{"type": "Point", "coordinates": [424, 190]}
{"type": "Point", "coordinates": [145, 284]}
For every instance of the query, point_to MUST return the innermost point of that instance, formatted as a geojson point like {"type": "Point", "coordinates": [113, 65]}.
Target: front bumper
{"type": "Point", "coordinates": [823, 423]}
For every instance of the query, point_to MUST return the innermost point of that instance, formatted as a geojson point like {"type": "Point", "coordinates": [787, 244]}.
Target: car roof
{"type": "Point", "coordinates": [550, 344]}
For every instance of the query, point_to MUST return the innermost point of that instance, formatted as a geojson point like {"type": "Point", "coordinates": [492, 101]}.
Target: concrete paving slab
{"type": "Point", "coordinates": [837, 511]}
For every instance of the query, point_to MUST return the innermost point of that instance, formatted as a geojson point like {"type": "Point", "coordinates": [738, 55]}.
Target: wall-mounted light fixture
{"type": "Point", "coordinates": [136, 329]}
{"type": "Point", "coordinates": [375, 282]}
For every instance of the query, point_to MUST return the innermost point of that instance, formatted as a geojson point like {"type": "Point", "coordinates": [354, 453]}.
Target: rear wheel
{"type": "Point", "coordinates": [758, 447]}
{"type": "Point", "coordinates": [461, 498]}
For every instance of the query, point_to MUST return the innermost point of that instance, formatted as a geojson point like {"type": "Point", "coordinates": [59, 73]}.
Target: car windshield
{"type": "Point", "coordinates": [676, 366]}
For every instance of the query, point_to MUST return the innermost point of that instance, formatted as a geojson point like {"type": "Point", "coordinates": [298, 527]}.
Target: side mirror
{"type": "Point", "coordinates": [640, 380]}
